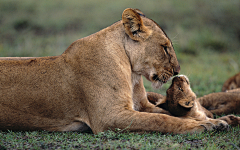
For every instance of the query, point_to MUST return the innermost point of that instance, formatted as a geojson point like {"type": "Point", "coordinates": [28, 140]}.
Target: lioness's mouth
{"type": "Point", "coordinates": [156, 78]}
{"type": "Point", "coordinates": [158, 81]}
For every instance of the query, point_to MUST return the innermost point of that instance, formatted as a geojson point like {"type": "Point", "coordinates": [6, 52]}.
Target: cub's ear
{"type": "Point", "coordinates": [186, 103]}
{"type": "Point", "coordinates": [134, 26]}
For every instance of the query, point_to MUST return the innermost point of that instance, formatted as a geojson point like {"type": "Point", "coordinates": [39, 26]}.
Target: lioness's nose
{"type": "Point", "coordinates": [176, 70]}
{"type": "Point", "coordinates": [175, 73]}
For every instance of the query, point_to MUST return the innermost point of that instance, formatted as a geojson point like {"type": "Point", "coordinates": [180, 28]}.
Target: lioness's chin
{"type": "Point", "coordinates": [157, 84]}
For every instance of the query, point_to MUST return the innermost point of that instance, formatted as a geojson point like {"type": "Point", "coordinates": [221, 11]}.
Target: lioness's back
{"type": "Point", "coordinates": [30, 89]}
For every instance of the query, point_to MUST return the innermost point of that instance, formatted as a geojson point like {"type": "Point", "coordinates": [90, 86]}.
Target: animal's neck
{"type": "Point", "coordinates": [197, 112]}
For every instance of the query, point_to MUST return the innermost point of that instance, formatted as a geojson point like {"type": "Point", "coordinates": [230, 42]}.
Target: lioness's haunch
{"type": "Point", "coordinates": [181, 101]}
{"type": "Point", "coordinates": [97, 83]}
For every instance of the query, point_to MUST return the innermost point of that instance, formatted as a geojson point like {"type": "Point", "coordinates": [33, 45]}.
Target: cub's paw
{"type": "Point", "coordinates": [231, 120]}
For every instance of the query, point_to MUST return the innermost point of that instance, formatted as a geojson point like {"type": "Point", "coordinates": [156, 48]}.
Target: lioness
{"type": "Point", "coordinates": [181, 101]}
{"type": "Point", "coordinates": [232, 83]}
{"type": "Point", "coordinates": [97, 83]}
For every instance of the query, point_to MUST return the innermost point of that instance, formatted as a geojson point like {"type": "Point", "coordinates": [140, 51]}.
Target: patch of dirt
{"type": "Point", "coordinates": [193, 143]}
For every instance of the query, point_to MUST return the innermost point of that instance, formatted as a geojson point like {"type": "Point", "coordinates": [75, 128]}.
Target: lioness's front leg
{"type": "Point", "coordinates": [141, 121]}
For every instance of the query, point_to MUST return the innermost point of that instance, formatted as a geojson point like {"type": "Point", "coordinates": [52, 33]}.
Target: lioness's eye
{"type": "Point", "coordinates": [165, 49]}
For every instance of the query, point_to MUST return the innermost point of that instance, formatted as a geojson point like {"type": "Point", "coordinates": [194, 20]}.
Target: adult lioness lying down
{"type": "Point", "coordinates": [95, 83]}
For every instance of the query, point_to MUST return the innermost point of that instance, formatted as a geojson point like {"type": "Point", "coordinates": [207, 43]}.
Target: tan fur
{"type": "Point", "coordinates": [221, 102]}
{"type": "Point", "coordinates": [232, 120]}
{"type": "Point", "coordinates": [181, 101]}
{"type": "Point", "coordinates": [155, 98]}
{"type": "Point", "coordinates": [232, 83]}
{"type": "Point", "coordinates": [234, 90]}
{"type": "Point", "coordinates": [95, 83]}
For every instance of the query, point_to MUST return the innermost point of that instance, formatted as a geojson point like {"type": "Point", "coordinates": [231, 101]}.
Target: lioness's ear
{"type": "Point", "coordinates": [186, 103]}
{"type": "Point", "coordinates": [134, 26]}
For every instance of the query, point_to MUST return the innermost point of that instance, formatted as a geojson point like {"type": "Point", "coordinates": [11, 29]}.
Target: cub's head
{"type": "Point", "coordinates": [149, 49]}
{"type": "Point", "coordinates": [180, 98]}
{"type": "Point", "coordinates": [232, 83]}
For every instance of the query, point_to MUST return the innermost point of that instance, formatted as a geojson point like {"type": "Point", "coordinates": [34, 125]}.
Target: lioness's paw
{"type": "Point", "coordinates": [221, 125]}
{"type": "Point", "coordinates": [208, 126]}
{"type": "Point", "coordinates": [198, 126]}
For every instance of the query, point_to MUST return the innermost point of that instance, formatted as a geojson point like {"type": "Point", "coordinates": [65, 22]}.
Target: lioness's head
{"type": "Point", "coordinates": [149, 49]}
{"type": "Point", "coordinates": [180, 98]}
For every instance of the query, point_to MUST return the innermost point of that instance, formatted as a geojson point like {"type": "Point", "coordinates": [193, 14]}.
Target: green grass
{"type": "Point", "coordinates": [115, 140]}
{"type": "Point", "coordinates": [205, 35]}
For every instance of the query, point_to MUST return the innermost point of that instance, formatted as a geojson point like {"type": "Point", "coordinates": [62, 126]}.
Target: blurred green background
{"type": "Point", "coordinates": [205, 33]}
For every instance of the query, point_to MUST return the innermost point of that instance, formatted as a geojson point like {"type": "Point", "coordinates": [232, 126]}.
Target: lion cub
{"type": "Point", "coordinates": [181, 101]}
{"type": "Point", "coordinates": [232, 83]}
